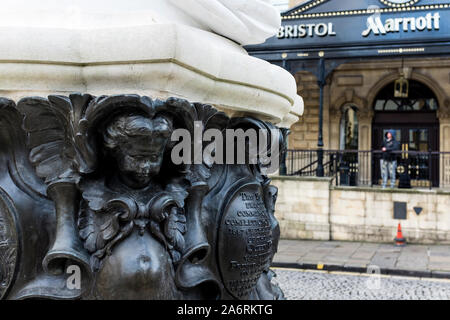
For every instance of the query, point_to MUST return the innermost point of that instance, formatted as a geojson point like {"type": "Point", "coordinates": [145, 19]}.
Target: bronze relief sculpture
{"type": "Point", "coordinates": [87, 183]}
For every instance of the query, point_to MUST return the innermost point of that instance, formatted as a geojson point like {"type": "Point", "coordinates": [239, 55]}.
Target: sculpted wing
{"type": "Point", "coordinates": [56, 137]}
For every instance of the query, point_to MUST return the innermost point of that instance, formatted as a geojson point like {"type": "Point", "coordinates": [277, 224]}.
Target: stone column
{"type": "Point", "coordinates": [444, 134]}
{"type": "Point", "coordinates": [365, 117]}
{"type": "Point", "coordinates": [327, 116]}
{"type": "Point", "coordinates": [335, 116]}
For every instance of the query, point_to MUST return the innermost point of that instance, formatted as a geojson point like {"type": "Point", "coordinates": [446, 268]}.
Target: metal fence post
{"type": "Point", "coordinates": [430, 171]}
{"type": "Point", "coordinates": [321, 83]}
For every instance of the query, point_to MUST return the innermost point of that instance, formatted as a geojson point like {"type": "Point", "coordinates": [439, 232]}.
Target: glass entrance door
{"type": "Point", "coordinates": [418, 140]}
{"type": "Point", "coordinates": [416, 160]}
{"type": "Point", "coordinates": [414, 119]}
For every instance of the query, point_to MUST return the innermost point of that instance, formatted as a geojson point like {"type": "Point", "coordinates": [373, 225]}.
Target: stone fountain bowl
{"type": "Point", "coordinates": [160, 48]}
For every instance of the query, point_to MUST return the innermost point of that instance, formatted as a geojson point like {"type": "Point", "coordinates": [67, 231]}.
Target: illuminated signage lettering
{"type": "Point", "coordinates": [377, 27]}
{"type": "Point", "coordinates": [306, 30]}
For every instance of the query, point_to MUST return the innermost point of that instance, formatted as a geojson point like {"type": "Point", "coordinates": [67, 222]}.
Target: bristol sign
{"type": "Point", "coordinates": [326, 23]}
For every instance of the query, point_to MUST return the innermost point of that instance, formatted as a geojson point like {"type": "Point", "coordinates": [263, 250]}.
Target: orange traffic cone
{"type": "Point", "coordinates": [399, 240]}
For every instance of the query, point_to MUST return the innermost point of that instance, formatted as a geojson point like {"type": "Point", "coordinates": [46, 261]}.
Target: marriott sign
{"type": "Point", "coordinates": [375, 25]}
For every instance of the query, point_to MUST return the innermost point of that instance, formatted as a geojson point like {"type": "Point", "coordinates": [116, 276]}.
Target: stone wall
{"type": "Point", "coordinates": [311, 208]}
{"type": "Point", "coordinates": [303, 207]}
{"type": "Point", "coordinates": [306, 131]}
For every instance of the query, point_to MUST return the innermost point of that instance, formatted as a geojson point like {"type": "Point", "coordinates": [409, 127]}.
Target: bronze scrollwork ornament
{"type": "Point", "coordinates": [87, 182]}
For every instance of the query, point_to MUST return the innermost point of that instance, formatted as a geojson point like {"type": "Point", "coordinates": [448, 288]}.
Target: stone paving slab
{"type": "Point", "coordinates": [431, 261]}
{"type": "Point", "coordinates": [362, 256]}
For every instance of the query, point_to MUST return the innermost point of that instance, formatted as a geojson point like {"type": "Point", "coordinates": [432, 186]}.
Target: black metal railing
{"type": "Point", "coordinates": [363, 168]}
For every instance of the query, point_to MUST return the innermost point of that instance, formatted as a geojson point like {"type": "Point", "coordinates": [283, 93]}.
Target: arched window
{"type": "Point", "coordinates": [420, 99]}
{"type": "Point", "coordinates": [349, 128]}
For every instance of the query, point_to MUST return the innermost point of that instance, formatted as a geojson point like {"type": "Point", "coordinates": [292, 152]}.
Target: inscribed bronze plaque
{"type": "Point", "coordinates": [245, 241]}
{"type": "Point", "coordinates": [8, 247]}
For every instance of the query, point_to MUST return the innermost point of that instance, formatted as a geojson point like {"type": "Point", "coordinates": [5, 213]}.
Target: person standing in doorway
{"type": "Point", "coordinates": [389, 159]}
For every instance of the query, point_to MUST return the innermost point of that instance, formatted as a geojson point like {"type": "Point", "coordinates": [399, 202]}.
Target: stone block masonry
{"type": "Point", "coordinates": [303, 207]}
{"type": "Point", "coordinates": [312, 208]}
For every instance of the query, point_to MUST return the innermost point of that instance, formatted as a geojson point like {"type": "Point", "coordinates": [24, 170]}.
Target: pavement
{"type": "Point", "coordinates": [335, 285]}
{"type": "Point", "coordinates": [422, 261]}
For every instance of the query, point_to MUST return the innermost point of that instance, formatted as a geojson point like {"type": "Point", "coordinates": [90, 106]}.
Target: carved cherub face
{"type": "Point", "coordinates": [137, 143]}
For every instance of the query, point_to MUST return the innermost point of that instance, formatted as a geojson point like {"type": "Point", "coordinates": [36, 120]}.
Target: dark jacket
{"type": "Point", "coordinates": [390, 145]}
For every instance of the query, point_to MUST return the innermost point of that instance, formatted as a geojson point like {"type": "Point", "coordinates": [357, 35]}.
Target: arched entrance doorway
{"type": "Point", "coordinates": [414, 120]}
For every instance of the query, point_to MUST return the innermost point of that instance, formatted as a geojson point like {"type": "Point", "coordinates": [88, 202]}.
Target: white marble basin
{"type": "Point", "coordinates": [159, 48]}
